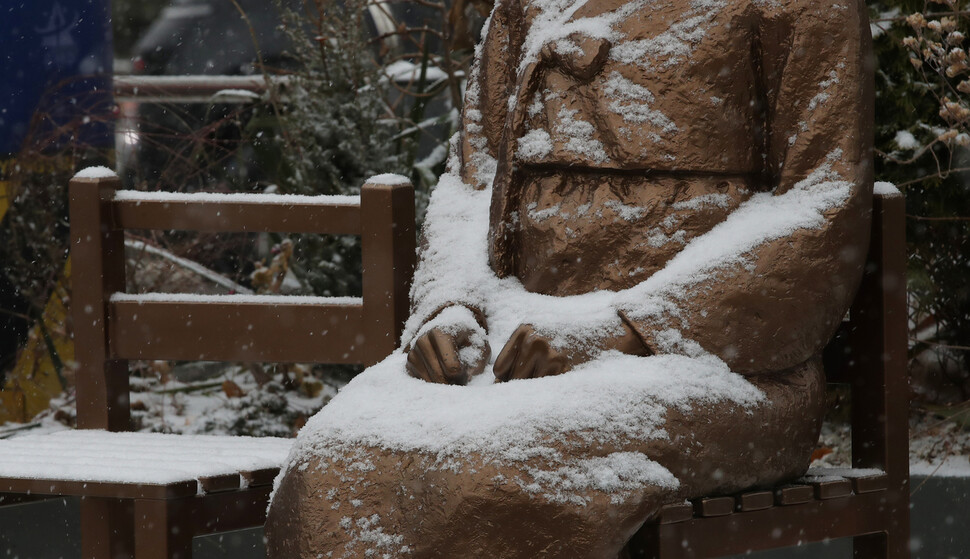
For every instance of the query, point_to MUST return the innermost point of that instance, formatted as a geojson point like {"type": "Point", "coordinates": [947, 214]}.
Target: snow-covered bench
{"type": "Point", "coordinates": [148, 494]}
{"type": "Point", "coordinates": [868, 502]}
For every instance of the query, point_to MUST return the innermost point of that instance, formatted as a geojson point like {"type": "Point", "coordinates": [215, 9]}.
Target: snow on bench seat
{"type": "Point", "coordinates": [96, 457]}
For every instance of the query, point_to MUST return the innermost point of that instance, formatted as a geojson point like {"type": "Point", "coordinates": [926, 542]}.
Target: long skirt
{"type": "Point", "coordinates": [568, 466]}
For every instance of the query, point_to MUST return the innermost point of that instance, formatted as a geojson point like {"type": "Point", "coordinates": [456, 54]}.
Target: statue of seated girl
{"type": "Point", "coordinates": [657, 213]}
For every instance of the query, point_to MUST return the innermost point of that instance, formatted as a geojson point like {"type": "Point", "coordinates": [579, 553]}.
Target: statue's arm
{"type": "Point", "coordinates": [490, 83]}
{"type": "Point", "coordinates": [447, 329]}
{"type": "Point", "coordinates": [780, 302]}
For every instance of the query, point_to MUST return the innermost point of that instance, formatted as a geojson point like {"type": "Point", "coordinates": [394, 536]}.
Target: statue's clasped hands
{"type": "Point", "coordinates": [451, 351]}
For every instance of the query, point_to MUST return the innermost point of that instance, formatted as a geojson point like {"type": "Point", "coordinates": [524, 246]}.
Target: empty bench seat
{"type": "Point", "coordinates": [97, 463]}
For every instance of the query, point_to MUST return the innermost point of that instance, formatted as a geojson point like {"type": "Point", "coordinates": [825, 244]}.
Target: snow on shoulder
{"type": "Point", "coordinates": [99, 172]}
{"type": "Point", "coordinates": [390, 179]}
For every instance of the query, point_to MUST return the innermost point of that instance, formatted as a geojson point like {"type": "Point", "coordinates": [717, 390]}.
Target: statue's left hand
{"type": "Point", "coordinates": [529, 354]}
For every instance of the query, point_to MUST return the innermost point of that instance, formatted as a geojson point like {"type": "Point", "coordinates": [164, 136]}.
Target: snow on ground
{"type": "Point", "coordinates": [937, 447]}
{"type": "Point", "coordinates": [228, 402]}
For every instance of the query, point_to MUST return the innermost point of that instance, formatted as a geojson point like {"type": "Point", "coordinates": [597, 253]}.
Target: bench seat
{"type": "Point", "coordinates": [95, 463]}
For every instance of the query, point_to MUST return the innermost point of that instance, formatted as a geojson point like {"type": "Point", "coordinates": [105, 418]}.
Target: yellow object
{"type": "Point", "coordinates": [35, 379]}
{"type": "Point", "coordinates": [4, 201]}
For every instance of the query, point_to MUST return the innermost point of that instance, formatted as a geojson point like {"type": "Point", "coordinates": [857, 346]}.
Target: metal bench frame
{"type": "Point", "coordinates": [159, 521]}
{"type": "Point", "coordinates": [868, 353]}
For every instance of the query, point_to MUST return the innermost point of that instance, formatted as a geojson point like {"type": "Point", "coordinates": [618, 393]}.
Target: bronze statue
{"type": "Point", "coordinates": [677, 187]}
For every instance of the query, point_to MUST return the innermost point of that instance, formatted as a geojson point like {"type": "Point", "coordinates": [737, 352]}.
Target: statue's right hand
{"type": "Point", "coordinates": [436, 355]}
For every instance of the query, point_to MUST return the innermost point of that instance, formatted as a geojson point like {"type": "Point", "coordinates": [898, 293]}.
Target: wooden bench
{"type": "Point", "coordinates": [144, 494]}
{"type": "Point", "coordinates": [869, 502]}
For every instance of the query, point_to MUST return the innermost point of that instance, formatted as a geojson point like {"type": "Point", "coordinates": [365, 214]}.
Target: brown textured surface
{"type": "Point", "coordinates": [441, 512]}
{"type": "Point", "coordinates": [757, 500]}
{"type": "Point", "coordinates": [747, 117]}
{"type": "Point", "coordinates": [832, 489]}
{"type": "Point", "coordinates": [714, 506]}
{"type": "Point", "coordinates": [877, 516]}
{"type": "Point", "coordinates": [794, 494]}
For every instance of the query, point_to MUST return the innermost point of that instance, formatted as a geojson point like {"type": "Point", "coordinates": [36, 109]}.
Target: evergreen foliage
{"type": "Point", "coordinates": [922, 147]}
{"type": "Point", "coordinates": [335, 130]}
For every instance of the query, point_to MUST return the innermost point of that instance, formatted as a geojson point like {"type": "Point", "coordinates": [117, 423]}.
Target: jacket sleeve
{"type": "Point", "coordinates": [777, 302]}
{"type": "Point", "coordinates": [453, 237]}
{"type": "Point", "coordinates": [490, 84]}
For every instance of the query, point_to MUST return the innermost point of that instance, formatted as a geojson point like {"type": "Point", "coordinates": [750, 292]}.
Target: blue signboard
{"type": "Point", "coordinates": [55, 61]}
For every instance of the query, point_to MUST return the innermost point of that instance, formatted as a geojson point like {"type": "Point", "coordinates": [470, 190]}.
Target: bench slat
{"type": "Point", "coordinates": [258, 332]}
{"type": "Point", "coordinates": [256, 478]}
{"type": "Point", "coordinates": [215, 484]}
{"type": "Point", "coordinates": [237, 217]}
{"type": "Point", "coordinates": [680, 512]}
{"type": "Point", "coordinates": [832, 489]}
{"type": "Point", "coordinates": [794, 494]}
{"type": "Point", "coordinates": [870, 484]}
{"type": "Point", "coordinates": [757, 500]}
{"type": "Point", "coordinates": [99, 489]}
{"type": "Point", "coordinates": [714, 506]}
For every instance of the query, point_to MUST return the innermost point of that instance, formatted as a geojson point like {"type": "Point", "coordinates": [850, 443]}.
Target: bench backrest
{"type": "Point", "coordinates": [109, 332]}
{"type": "Point", "coordinates": [870, 350]}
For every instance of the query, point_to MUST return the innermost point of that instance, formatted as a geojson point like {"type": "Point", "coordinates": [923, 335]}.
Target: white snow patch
{"type": "Point", "coordinates": [234, 299]}
{"type": "Point", "coordinates": [390, 179]}
{"type": "Point", "coordinates": [632, 103]}
{"type": "Point", "coordinates": [715, 199]}
{"type": "Point", "coordinates": [950, 466]}
{"type": "Point", "coordinates": [625, 212]}
{"type": "Point", "coordinates": [235, 197]}
{"type": "Point", "coordinates": [554, 23]}
{"type": "Point", "coordinates": [906, 140]}
{"type": "Point", "coordinates": [536, 144]}
{"type": "Point", "coordinates": [99, 172]}
{"type": "Point", "coordinates": [544, 214]}
{"type": "Point", "coordinates": [244, 94]}
{"type": "Point", "coordinates": [402, 71]}
{"type": "Point", "coordinates": [147, 458]}
{"type": "Point", "coordinates": [578, 136]}
{"type": "Point", "coordinates": [674, 45]}
{"type": "Point", "coordinates": [885, 189]}
{"type": "Point", "coordinates": [658, 238]}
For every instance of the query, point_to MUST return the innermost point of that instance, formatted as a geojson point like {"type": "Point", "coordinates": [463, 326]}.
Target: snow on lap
{"type": "Point", "coordinates": [548, 426]}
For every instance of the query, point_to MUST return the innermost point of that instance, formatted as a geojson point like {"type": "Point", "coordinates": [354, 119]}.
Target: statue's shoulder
{"type": "Point", "coordinates": [817, 7]}
{"type": "Point", "coordinates": [810, 11]}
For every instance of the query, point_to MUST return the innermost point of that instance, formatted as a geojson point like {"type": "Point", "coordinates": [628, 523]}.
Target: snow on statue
{"type": "Point", "coordinates": [656, 214]}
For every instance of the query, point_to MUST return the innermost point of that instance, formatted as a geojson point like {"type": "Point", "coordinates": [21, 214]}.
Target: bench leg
{"type": "Point", "coordinates": [106, 528]}
{"type": "Point", "coordinates": [894, 545]}
{"type": "Point", "coordinates": [163, 529]}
